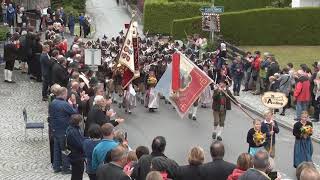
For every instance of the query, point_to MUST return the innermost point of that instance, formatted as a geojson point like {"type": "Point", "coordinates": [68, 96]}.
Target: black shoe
{"type": "Point", "coordinates": [44, 99]}
{"type": "Point", "coordinates": [57, 170]}
{"type": "Point", "coordinates": [6, 81]}
{"type": "Point", "coordinates": [66, 172]}
{"type": "Point", "coordinates": [245, 90]}
{"type": "Point", "coordinates": [190, 116]}
{"type": "Point", "coordinates": [214, 135]}
{"type": "Point", "coordinates": [31, 77]}
{"type": "Point", "coordinates": [11, 82]}
{"type": "Point", "coordinates": [219, 138]}
{"type": "Point", "coordinates": [282, 114]}
{"type": "Point", "coordinates": [194, 118]}
{"type": "Point", "coordinates": [315, 120]}
{"type": "Point", "coordinates": [129, 112]}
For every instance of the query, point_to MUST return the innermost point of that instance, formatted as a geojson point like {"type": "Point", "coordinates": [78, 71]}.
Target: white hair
{"type": "Point", "coordinates": [98, 99]}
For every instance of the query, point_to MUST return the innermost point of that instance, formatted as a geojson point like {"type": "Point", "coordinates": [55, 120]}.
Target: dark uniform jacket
{"type": "Point", "coordinates": [59, 75]}
{"type": "Point", "coordinates": [217, 170]}
{"type": "Point", "coordinates": [97, 116]}
{"type": "Point", "coordinates": [111, 171]}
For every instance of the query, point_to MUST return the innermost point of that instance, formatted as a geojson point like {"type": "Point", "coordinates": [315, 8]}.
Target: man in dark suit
{"type": "Point", "coordinates": [60, 74]}
{"type": "Point", "coordinates": [218, 169]}
{"type": "Point", "coordinates": [143, 167]}
{"type": "Point", "coordinates": [114, 169]}
{"type": "Point", "coordinates": [45, 65]}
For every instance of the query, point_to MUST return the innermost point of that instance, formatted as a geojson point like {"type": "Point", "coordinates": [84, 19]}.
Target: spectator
{"type": "Point", "coordinates": [71, 24]}
{"type": "Point", "coordinates": [75, 145]}
{"type": "Point", "coordinates": [191, 171]}
{"type": "Point", "coordinates": [254, 146]}
{"type": "Point", "coordinates": [99, 115]}
{"type": "Point", "coordinates": [270, 127]}
{"type": "Point", "coordinates": [142, 150]}
{"type": "Point", "coordinates": [260, 166]}
{"type": "Point", "coordinates": [106, 145]}
{"type": "Point", "coordinates": [316, 97]}
{"type": "Point", "coordinates": [218, 169]}
{"type": "Point", "coordinates": [161, 165]}
{"type": "Point", "coordinates": [244, 163]}
{"type": "Point", "coordinates": [302, 166]}
{"type": "Point", "coordinates": [10, 15]}
{"type": "Point", "coordinates": [237, 72]}
{"type": "Point", "coordinates": [114, 170]}
{"type": "Point", "coordinates": [95, 136]}
{"type": "Point", "coordinates": [302, 93]}
{"type": "Point", "coordinates": [4, 13]}
{"type": "Point", "coordinates": [273, 67]}
{"type": "Point", "coordinates": [131, 160]}
{"type": "Point", "coordinates": [45, 65]}
{"type": "Point", "coordinates": [60, 74]}
{"type": "Point", "coordinates": [60, 112]}
{"type": "Point", "coordinates": [154, 175]}
{"type": "Point", "coordinates": [143, 166]}
{"type": "Point", "coordinates": [273, 83]}
{"type": "Point", "coordinates": [310, 174]}
{"type": "Point", "coordinates": [248, 70]}
{"type": "Point", "coordinates": [285, 87]}
{"type": "Point", "coordinates": [255, 72]}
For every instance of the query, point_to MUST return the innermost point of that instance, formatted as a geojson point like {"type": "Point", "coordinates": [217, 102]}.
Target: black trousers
{"type": "Point", "coordinates": [77, 168]}
{"type": "Point", "coordinates": [92, 176]}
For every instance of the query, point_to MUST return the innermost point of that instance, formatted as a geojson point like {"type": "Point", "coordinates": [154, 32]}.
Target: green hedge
{"type": "Point", "coordinates": [207, 1]}
{"type": "Point", "coordinates": [3, 33]}
{"type": "Point", "coordinates": [158, 15]}
{"type": "Point", "coordinates": [285, 26]}
{"type": "Point", "coordinates": [73, 6]}
{"type": "Point", "coordinates": [189, 26]}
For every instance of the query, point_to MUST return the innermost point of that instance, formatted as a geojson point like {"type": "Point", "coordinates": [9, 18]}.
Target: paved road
{"type": "Point", "coordinates": [108, 17]}
{"type": "Point", "coordinates": [29, 158]}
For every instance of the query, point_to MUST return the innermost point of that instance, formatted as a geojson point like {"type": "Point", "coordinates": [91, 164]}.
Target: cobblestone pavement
{"type": "Point", "coordinates": [254, 102]}
{"type": "Point", "coordinates": [20, 157]}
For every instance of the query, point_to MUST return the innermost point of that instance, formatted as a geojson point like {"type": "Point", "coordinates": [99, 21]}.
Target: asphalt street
{"type": "Point", "coordinates": [182, 134]}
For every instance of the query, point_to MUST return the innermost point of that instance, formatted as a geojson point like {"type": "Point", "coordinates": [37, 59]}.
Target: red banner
{"type": "Point", "coordinates": [175, 72]}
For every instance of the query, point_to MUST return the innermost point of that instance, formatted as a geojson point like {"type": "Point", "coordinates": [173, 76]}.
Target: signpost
{"type": "Point", "coordinates": [92, 58]}
{"type": "Point", "coordinates": [274, 100]}
{"type": "Point", "coordinates": [211, 19]}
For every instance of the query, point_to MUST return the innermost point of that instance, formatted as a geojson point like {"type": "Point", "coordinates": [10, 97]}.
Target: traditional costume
{"type": "Point", "coordinates": [152, 98]}
{"type": "Point", "coordinates": [303, 148]}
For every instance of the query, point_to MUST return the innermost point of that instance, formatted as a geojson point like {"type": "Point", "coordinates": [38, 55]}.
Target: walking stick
{"type": "Point", "coordinates": [271, 143]}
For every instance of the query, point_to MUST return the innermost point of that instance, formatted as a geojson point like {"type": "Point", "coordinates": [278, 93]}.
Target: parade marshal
{"type": "Point", "coordinates": [274, 100]}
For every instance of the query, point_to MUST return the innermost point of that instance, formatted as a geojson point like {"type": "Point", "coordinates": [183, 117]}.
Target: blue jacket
{"type": "Point", "coordinates": [88, 146]}
{"type": "Point", "coordinates": [75, 142]}
{"type": "Point", "coordinates": [60, 112]}
{"type": "Point", "coordinates": [71, 21]}
{"type": "Point", "coordinates": [100, 152]}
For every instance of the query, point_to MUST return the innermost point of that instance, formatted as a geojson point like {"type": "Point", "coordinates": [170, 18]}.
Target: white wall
{"type": "Point", "coordinates": [305, 3]}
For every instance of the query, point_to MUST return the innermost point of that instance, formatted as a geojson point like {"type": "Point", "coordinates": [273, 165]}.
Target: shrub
{"type": "Point", "coordinates": [3, 33]}
{"type": "Point", "coordinates": [271, 26]}
{"type": "Point", "coordinates": [189, 26]}
{"type": "Point", "coordinates": [159, 14]}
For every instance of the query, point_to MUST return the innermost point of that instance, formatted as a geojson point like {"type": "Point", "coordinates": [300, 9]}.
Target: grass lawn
{"type": "Point", "coordinates": [294, 54]}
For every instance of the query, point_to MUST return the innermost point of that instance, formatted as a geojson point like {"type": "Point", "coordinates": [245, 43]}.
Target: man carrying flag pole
{"type": "Point", "coordinates": [129, 61]}
{"type": "Point", "coordinates": [182, 83]}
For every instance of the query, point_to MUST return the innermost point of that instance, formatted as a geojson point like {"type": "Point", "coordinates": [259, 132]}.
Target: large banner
{"type": "Point", "coordinates": [129, 55]}
{"type": "Point", "coordinates": [182, 83]}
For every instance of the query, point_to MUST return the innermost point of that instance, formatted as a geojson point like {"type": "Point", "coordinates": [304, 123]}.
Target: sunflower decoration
{"type": "Point", "coordinates": [306, 130]}
{"type": "Point", "coordinates": [259, 138]}
{"type": "Point", "coordinates": [152, 81]}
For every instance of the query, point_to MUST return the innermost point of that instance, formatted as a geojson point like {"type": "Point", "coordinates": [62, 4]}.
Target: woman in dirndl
{"type": "Point", "coordinates": [255, 138]}
{"type": "Point", "coordinates": [303, 148]}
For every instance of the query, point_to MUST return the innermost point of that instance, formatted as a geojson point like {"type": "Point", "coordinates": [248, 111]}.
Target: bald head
{"type": "Point", "coordinates": [217, 150]}
{"type": "Point", "coordinates": [310, 174]}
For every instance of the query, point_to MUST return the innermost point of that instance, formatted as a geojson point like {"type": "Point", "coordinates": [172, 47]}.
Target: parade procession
{"type": "Point", "coordinates": [107, 98]}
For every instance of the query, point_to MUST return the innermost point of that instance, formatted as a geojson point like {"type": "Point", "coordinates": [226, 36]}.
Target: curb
{"type": "Point", "coordinates": [281, 123]}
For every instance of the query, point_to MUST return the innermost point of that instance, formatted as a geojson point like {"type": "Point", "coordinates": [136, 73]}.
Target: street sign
{"type": "Point", "coordinates": [212, 10]}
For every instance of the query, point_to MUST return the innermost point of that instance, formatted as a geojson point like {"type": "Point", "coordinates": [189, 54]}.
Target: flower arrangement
{"type": "Point", "coordinates": [306, 130]}
{"type": "Point", "coordinates": [152, 80]}
{"type": "Point", "coordinates": [259, 138]}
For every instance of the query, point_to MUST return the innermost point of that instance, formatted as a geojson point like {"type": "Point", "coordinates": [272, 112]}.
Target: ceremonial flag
{"type": "Point", "coordinates": [129, 55]}
{"type": "Point", "coordinates": [182, 83]}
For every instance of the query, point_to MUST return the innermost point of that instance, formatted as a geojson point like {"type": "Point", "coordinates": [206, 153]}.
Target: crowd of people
{"type": "Point", "coordinates": [81, 119]}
